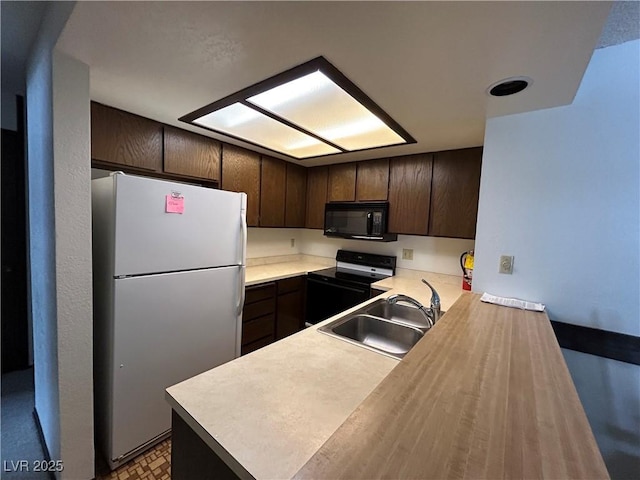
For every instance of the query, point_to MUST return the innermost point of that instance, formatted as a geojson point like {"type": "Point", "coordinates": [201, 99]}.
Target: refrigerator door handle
{"type": "Point", "coordinates": [241, 286]}
{"type": "Point", "coordinates": [241, 273]}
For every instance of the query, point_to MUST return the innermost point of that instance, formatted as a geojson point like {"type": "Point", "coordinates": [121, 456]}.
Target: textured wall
{"type": "Point", "coordinates": [42, 240]}
{"type": "Point", "coordinates": [60, 248]}
{"type": "Point", "coordinates": [72, 197]}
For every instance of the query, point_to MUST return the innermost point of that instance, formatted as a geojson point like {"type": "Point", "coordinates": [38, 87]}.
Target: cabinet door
{"type": "Point", "coordinates": [272, 192]}
{"type": "Point", "coordinates": [122, 138]}
{"type": "Point", "coordinates": [317, 179]}
{"type": "Point", "coordinates": [342, 182]}
{"type": "Point", "coordinates": [296, 196]}
{"type": "Point", "coordinates": [410, 193]}
{"type": "Point", "coordinates": [372, 180]}
{"type": "Point", "coordinates": [455, 191]}
{"type": "Point", "coordinates": [290, 309]}
{"type": "Point", "coordinates": [258, 317]}
{"type": "Point", "coordinates": [241, 173]}
{"type": "Point", "coordinates": [190, 154]}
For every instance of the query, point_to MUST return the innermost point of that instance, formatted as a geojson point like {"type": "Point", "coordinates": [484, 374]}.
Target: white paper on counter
{"type": "Point", "coordinates": [512, 302]}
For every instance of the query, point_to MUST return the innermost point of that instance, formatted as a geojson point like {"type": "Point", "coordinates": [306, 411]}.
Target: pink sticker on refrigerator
{"type": "Point", "coordinates": [174, 204]}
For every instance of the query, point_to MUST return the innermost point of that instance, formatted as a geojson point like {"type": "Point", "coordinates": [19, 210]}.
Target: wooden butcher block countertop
{"type": "Point", "coordinates": [486, 394]}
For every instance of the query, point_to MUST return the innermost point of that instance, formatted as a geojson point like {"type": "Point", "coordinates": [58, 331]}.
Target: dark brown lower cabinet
{"type": "Point", "coordinates": [290, 306]}
{"type": "Point", "coordinates": [272, 311]}
{"type": "Point", "coordinates": [375, 292]}
{"type": "Point", "coordinates": [258, 317]}
{"type": "Point", "coordinates": [191, 457]}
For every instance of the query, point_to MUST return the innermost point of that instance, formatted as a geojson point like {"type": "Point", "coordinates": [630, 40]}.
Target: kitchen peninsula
{"type": "Point", "coordinates": [484, 394]}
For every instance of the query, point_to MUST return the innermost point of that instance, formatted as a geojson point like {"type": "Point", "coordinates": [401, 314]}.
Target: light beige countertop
{"type": "Point", "coordinates": [277, 271]}
{"type": "Point", "coordinates": [267, 413]}
{"type": "Point", "coordinates": [485, 394]}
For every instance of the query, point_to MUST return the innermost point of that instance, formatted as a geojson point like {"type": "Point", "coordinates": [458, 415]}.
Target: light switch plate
{"type": "Point", "coordinates": [506, 264]}
{"type": "Point", "coordinates": [407, 254]}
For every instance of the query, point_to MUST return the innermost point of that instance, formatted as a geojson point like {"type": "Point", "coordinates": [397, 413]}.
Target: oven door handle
{"type": "Point", "coordinates": [369, 223]}
{"type": "Point", "coordinates": [329, 284]}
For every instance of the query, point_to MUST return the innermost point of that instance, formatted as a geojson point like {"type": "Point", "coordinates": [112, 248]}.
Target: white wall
{"type": "Point", "coordinates": [440, 255]}
{"type": "Point", "coordinates": [432, 254]}
{"type": "Point", "coordinates": [272, 242]}
{"type": "Point", "coordinates": [560, 190]}
{"type": "Point", "coordinates": [59, 222]}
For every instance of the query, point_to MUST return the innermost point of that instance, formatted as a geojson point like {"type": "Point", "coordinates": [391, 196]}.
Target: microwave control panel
{"type": "Point", "coordinates": [377, 223]}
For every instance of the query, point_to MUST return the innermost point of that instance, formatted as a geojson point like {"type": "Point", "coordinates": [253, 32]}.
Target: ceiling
{"type": "Point", "coordinates": [428, 64]}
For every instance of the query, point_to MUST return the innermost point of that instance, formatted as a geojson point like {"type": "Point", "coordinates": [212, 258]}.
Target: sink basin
{"type": "Point", "coordinates": [397, 312]}
{"type": "Point", "coordinates": [375, 333]}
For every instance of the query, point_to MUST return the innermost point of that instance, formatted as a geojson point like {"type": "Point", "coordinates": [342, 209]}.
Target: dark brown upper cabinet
{"type": "Point", "coordinates": [455, 192]}
{"type": "Point", "coordinates": [122, 138]}
{"type": "Point", "coordinates": [410, 193]}
{"type": "Point", "coordinates": [372, 180]}
{"type": "Point", "coordinates": [342, 182]}
{"type": "Point", "coordinates": [272, 192]}
{"type": "Point", "coordinates": [190, 154]}
{"type": "Point", "coordinates": [317, 182]}
{"type": "Point", "coordinates": [241, 173]}
{"type": "Point", "coordinates": [296, 196]}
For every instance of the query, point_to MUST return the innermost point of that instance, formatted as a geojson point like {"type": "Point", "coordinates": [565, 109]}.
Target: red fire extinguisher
{"type": "Point", "coordinates": [466, 262]}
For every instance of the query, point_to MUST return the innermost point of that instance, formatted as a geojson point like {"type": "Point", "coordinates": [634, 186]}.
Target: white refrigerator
{"type": "Point", "coordinates": [169, 267]}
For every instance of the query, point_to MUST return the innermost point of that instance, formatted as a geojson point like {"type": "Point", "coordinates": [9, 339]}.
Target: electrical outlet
{"type": "Point", "coordinates": [407, 254]}
{"type": "Point", "coordinates": [506, 264]}
{"type": "Point", "coordinates": [293, 242]}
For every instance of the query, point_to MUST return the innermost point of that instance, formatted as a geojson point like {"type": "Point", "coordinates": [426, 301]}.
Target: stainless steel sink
{"type": "Point", "coordinates": [375, 333]}
{"type": "Point", "coordinates": [397, 312]}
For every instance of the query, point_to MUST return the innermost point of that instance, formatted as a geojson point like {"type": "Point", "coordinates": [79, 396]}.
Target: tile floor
{"type": "Point", "coordinates": [154, 464]}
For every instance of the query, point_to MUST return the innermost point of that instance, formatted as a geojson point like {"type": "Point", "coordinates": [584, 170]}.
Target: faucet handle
{"type": "Point", "coordinates": [435, 298]}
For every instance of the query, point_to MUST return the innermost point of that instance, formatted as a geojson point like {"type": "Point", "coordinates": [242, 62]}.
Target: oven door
{"type": "Point", "coordinates": [328, 296]}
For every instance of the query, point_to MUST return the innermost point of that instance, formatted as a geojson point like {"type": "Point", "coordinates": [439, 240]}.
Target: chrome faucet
{"type": "Point", "coordinates": [435, 302]}
{"type": "Point", "coordinates": [393, 299]}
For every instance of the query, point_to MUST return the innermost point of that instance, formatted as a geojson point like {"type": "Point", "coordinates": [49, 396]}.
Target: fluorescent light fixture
{"type": "Point", "coordinates": [309, 111]}
{"type": "Point", "coordinates": [243, 122]}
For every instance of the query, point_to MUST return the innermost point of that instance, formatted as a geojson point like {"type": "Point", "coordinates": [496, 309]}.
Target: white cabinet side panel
{"type": "Point", "coordinates": [103, 233]}
{"type": "Point", "coordinates": [167, 328]}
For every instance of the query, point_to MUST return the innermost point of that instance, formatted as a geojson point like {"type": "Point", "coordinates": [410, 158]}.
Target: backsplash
{"type": "Point", "coordinates": [272, 242]}
{"type": "Point", "coordinates": [432, 254]}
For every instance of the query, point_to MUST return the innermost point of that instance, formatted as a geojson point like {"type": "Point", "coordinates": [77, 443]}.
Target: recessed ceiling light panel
{"type": "Point", "coordinates": [245, 123]}
{"type": "Point", "coordinates": [308, 111]}
{"type": "Point", "coordinates": [318, 105]}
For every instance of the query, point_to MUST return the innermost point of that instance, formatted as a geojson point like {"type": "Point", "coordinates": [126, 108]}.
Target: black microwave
{"type": "Point", "coordinates": [358, 221]}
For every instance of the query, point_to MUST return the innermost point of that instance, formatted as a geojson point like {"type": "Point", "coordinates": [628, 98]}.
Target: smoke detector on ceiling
{"type": "Point", "coordinates": [509, 86]}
